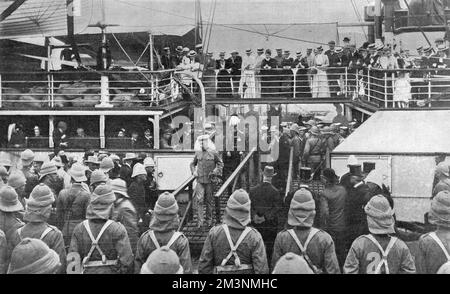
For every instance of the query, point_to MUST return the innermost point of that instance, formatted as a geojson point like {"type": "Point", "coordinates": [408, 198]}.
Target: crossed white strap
{"type": "Point", "coordinates": [237, 260]}
{"type": "Point", "coordinates": [384, 253]}
{"type": "Point", "coordinates": [44, 233]}
{"type": "Point", "coordinates": [172, 240]}
{"type": "Point", "coordinates": [439, 242]}
{"type": "Point", "coordinates": [302, 248]}
{"type": "Point", "coordinates": [95, 240]}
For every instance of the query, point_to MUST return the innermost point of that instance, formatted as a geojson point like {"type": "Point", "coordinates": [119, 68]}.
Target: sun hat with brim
{"type": "Point", "coordinates": [440, 209]}
{"type": "Point", "coordinates": [119, 186]}
{"type": "Point", "coordinates": [295, 128]}
{"type": "Point", "coordinates": [27, 157]}
{"type": "Point", "coordinates": [380, 216]}
{"type": "Point", "coordinates": [114, 157]}
{"type": "Point", "coordinates": [162, 261]}
{"type": "Point", "coordinates": [92, 159]}
{"type": "Point", "coordinates": [97, 176]}
{"type": "Point", "coordinates": [302, 209]}
{"type": "Point", "coordinates": [314, 130]}
{"type": "Point", "coordinates": [149, 162]}
{"type": "Point", "coordinates": [130, 156]}
{"type": "Point", "coordinates": [106, 165]}
{"type": "Point", "coordinates": [291, 263]}
{"type": "Point", "coordinates": [39, 205]}
{"type": "Point", "coordinates": [33, 256]}
{"type": "Point", "coordinates": [186, 49]}
{"type": "Point", "coordinates": [165, 213]}
{"type": "Point", "coordinates": [47, 168]}
{"type": "Point", "coordinates": [9, 200]}
{"type": "Point", "coordinates": [138, 169]}
{"type": "Point", "coordinates": [443, 168]}
{"type": "Point", "coordinates": [192, 53]}
{"type": "Point", "coordinates": [17, 179]}
{"type": "Point", "coordinates": [78, 172]}
{"type": "Point", "coordinates": [237, 212]}
{"type": "Point", "coordinates": [101, 204]}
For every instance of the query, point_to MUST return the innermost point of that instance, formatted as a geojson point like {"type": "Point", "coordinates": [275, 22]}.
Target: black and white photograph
{"type": "Point", "coordinates": [235, 138]}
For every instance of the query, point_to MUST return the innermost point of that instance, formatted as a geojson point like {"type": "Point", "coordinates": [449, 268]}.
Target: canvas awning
{"type": "Point", "coordinates": [400, 132]}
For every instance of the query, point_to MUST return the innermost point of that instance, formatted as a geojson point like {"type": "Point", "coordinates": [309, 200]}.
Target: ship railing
{"type": "Point", "coordinates": [427, 87]}
{"type": "Point", "coordinates": [278, 83]}
{"type": "Point", "coordinates": [62, 89]}
{"type": "Point", "coordinates": [403, 19]}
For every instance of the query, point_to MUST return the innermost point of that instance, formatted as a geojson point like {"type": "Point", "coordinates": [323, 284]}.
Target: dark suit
{"type": "Point", "coordinates": [269, 80]}
{"type": "Point", "coordinates": [125, 173]}
{"type": "Point", "coordinates": [268, 203]}
{"type": "Point", "coordinates": [168, 61]}
{"type": "Point", "coordinates": [235, 65]}
{"type": "Point", "coordinates": [223, 79]}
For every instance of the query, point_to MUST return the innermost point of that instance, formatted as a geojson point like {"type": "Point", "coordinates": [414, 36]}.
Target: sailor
{"type": "Point", "coordinates": [162, 261]}
{"type": "Point", "coordinates": [266, 207]}
{"type": "Point", "coordinates": [314, 151]}
{"type": "Point", "coordinates": [316, 246]}
{"type": "Point", "coordinates": [434, 248]}
{"type": "Point", "coordinates": [378, 252]}
{"type": "Point", "coordinates": [71, 203]}
{"type": "Point", "coordinates": [103, 244]}
{"type": "Point", "coordinates": [206, 165]}
{"type": "Point", "coordinates": [37, 213]}
{"type": "Point", "coordinates": [125, 212]}
{"type": "Point", "coordinates": [442, 173]}
{"type": "Point", "coordinates": [33, 256]}
{"type": "Point", "coordinates": [163, 231]}
{"type": "Point", "coordinates": [233, 247]}
{"type": "Point", "coordinates": [32, 180]}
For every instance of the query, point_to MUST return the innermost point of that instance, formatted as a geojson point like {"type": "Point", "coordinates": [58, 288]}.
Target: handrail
{"type": "Point", "coordinates": [236, 172]}
{"type": "Point", "coordinates": [289, 177]}
{"type": "Point", "coordinates": [181, 188]}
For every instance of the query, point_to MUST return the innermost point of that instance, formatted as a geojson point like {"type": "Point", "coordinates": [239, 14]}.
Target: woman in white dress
{"type": "Point", "coordinates": [320, 87]}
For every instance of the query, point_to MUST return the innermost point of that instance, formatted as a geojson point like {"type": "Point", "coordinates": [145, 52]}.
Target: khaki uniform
{"type": "Point", "coordinates": [45, 232]}
{"type": "Point", "coordinates": [146, 246]}
{"type": "Point", "coordinates": [71, 206]}
{"type": "Point", "coordinates": [3, 253]}
{"type": "Point", "coordinates": [320, 249]}
{"type": "Point", "coordinates": [216, 248]}
{"type": "Point", "coordinates": [313, 152]}
{"type": "Point", "coordinates": [114, 244]}
{"type": "Point", "coordinates": [430, 257]}
{"type": "Point", "coordinates": [126, 214]}
{"type": "Point", "coordinates": [208, 163]}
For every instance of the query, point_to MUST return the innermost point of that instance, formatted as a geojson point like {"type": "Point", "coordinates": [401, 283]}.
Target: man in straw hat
{"type": "Point", "coordinates": [266, 207]}
{"type": "Point", "coordinates": [162, 261]}
{"type": "Point", "coordinates": [33, 256]}
{"type": "Point", "coordinates": [315, 245]}
{"type": "Point", "coordinates": [37, 213]}
{"type": "Point", "coordinates": [125, 212]}
{"type": "Point", "coordinates": [434, 248]}
{"type": "Point", "coordinates": [378, 252]}
{"type": "Point", "coordinates": [92, 164]}
{"type": "Point", "coordinates": [102, 244]}
{"type": "Point", "coordinates": [163, 231]}
{"type": "Point", "coordinates": [27, 159]}
{"type": "Point", "coordinates": [72, 203]}
{"type": "Point", "coordinates": [233, 247]}
{"type": "Point", "coordinates": [314, 152]}
{"type": "Point", "coordinates": [206, 165]}
{"type": "Point", "coordinates": [332, 211]}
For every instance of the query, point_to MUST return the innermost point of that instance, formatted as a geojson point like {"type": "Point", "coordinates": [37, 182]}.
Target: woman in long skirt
{"type": "Point", "coordinates": [320, 86]}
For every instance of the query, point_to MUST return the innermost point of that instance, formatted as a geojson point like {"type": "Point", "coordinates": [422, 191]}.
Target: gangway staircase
{"type": "Point", "coordinates": [245, 175]}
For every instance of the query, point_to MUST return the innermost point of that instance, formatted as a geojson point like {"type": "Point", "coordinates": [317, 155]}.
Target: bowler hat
{"type": "Point", "coordinates": [269, 171]}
